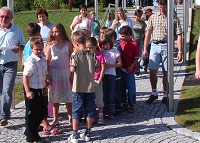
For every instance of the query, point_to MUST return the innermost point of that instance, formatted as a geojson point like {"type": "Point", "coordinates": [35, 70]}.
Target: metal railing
{"type": "Point", "coordinates": [103, 19]}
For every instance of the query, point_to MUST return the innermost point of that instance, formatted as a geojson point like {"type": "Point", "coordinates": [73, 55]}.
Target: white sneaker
{"type": "Point", "coordinates": [72, 139]}
{"type": "Point", "coordinates": [85, 137]}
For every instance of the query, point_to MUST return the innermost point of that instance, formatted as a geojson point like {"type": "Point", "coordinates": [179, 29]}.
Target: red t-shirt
{"type": "Point", "coordinates": [130, 51]}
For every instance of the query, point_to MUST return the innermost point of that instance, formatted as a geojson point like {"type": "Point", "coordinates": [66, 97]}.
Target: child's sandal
{"type": "Point", "coordinates": [52, 131]}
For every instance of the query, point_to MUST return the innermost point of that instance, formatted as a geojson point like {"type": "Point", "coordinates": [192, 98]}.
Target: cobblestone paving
{"type": "Point", "coordinates": [148, 124]}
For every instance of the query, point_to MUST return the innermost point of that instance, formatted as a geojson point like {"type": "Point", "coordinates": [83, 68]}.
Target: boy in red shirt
{"type": "Point", "coordinates": [129, 56]}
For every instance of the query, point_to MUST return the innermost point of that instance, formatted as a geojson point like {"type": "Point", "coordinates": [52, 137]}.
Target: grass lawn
{"type": "Point", "coordinates": [63, 16]}
{"type": "Point", "coordinates": [188, 112]}
{"type": "Point", "coordinates": [18, 93]}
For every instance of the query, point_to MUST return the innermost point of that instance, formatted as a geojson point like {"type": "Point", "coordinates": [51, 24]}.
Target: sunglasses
{"type": "Point", "coordinates": [6, 17]}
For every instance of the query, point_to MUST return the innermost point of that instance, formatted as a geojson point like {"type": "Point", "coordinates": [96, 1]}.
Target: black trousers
{"type": "Point", "coordinates": [35, 112]}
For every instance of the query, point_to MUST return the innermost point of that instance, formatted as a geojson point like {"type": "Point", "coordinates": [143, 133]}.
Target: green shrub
{"type": "Point", "coordinates": [21, 5]}
{"type": "Point", "coordinates": [101, 5]}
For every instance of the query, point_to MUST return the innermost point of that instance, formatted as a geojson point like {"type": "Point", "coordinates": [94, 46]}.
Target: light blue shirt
{"type": "Point", "coordinates": [27, 50]}
{"type": "Point", "coordinates": [44, 31]}
{"type": "Point", "coordinates": [117, 28]}
{"type": "Point", "coordinates": [9, 39]}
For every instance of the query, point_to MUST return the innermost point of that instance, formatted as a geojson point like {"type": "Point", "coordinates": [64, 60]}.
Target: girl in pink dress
{"type": "Point", "coordinates": [59, 49]}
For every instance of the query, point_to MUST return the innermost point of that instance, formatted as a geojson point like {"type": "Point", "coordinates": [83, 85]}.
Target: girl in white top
{"type": "Point", "coordinates": [82, 21]}
{"type": "Point", "coordinates": [113, 60]}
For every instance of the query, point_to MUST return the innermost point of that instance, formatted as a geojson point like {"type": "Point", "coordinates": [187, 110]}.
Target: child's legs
{"type": "Point", "coordinates": [89, 106]}
{"type": "Point", "coordinates": [131, 87]}
{"type": "Point", "coordinates": [99, 96]}
{"type": "Point", "coordinates": [118, 95]}
{"type": "Point", "coordinates": [69, 111]}
{"type": "Point", "coordinates": [111, 99]}
{"type": "Point", "coordinates": [77, 108]}
{"type": "Point", "coordinates": [34, 115]}
{"type": "Point", "coordinates": [123, 88]}
{"type": "Point", "coordinates": [105, 93]}
{"type": "Point", "coordinates": [55, 112]}
{"type": "Point", "coordinates": [108, 89]}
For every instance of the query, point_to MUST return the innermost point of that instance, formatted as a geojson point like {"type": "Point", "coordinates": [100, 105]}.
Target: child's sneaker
{"type": "Point", "coordinates": [73, 139]}
{"type": "Point", "coordinates": [85, 137]}
{"type": "Point", "coordinates": [110, 116]}
{"type": "Point", "coordinates": [131, 109]}
{"type": "Point", "coordinates": [101, 121]}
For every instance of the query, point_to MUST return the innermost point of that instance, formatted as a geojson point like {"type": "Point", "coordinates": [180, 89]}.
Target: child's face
{"type": "Point", "coordinates": [90, 46]}
{"type": "Point", "coordinates": [38, 49]}
{"type": "Point", "coordinates": [101, 33]}
{"type": "Point", "coordinates": [56, 33]}
{"type": "Point", "coordinates": [106, 46]}
{"type": "Point", "coordinates": [125, 37]}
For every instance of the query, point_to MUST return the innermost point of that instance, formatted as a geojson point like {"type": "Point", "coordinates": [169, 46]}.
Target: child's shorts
{"type": "Point", "coordinates": [80, 101]}
{"type": "Point", "coordinates": [99, 94]}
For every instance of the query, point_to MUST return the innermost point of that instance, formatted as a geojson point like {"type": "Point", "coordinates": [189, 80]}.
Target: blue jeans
{"type": "Point", "coordinates": [82, 101]}
{"type": "Point", "coordinates": [118, 95]}
{"type": "Point", "coordinates": [128, 82]}
{"type": "Point", "coordinates": [8, 73]}
{"type": "Point", "coordinates": [109, 95]}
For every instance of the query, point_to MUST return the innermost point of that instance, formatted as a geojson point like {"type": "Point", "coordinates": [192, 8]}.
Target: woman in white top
{"type": "Point", "coordinates": [120, 21]}
{"type": "Point", "coordinates": [82, 21]}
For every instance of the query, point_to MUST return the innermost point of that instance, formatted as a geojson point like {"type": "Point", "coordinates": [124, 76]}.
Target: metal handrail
{"type": "Point", "coordinates": [103, 19]}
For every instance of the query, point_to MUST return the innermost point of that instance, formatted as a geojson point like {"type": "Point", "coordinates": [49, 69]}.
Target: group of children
{"type": "Point", "coordinates": [84, 73]}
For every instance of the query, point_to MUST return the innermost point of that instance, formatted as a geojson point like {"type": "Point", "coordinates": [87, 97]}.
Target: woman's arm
{"type": "Point", "coordinates": [197, 74]}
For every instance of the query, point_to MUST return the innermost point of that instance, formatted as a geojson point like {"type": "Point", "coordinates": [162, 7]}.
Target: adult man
{"type": "Point", "coordinates": [157, 25]}
{"type": "Point", "coordinates": [12, 41]}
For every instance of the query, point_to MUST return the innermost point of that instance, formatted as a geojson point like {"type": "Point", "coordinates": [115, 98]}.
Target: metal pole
{"type": "Point", "coordinates": [96, 8]}
{"type": "Point", "coordinates": [85, 2]}
{"type": "Point", "coordinates": [124, 4]}
{"type": "Point", "coordinates": [170, 52]}
{"type": "Point", "coordinates": [116, 6]}
{"type": "Point", "coordinates": [10, 5]}
{"type": "Point", "coordinates": [184, 31]}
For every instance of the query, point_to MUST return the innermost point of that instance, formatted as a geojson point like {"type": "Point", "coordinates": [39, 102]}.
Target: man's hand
{"type": "Point", "coordinates": [145, 53]}
{"type": "Point", "coordinates": [180, 56]}
{"type": "Point", "coordinates": [16, 49]}
{"type": "Point", "coordinates": [30, 95]}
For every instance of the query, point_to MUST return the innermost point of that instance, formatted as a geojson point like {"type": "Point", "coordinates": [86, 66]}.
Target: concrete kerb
{"type": "Point", "coordinates": [168, 117]}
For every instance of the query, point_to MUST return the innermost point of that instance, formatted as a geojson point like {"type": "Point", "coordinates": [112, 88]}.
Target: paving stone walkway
{"type": "Point", "coordinates": [148, 124]}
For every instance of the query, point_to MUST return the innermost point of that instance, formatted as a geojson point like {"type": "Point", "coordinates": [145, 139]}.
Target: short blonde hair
{"type": "Point", "coordinates": [92, 12]}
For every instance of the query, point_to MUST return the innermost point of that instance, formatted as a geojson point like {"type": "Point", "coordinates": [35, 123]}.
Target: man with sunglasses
{"type": "Point", "coordinates": [12, 41]}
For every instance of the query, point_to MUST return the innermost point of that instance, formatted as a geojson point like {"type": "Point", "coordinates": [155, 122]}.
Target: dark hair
{"type": "Point", "coordinates": [78, 36]}
{"type": "Point", "coordinates": [83, 6]}
{"type": "Point", "coordinates": [32, 29]}
{"type": "Point", "coordinates": [126, 30]}
{"type": "Point", "coordinates": [36, 40]}
{"type": "Point", "coordinates": [92, 40]}
{"type": "Point", "coordinates": [104, 40]}
{"type": "Point", "coordinates": [41, 11]}
{"type": "Point", "coordinates": [138, 12]}
{"type": "Point", "coordinates": [111, 33]}
{"type": "Point", "coordinates": [162, 2]}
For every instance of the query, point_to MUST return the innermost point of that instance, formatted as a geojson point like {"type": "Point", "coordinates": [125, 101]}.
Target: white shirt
{"type": "Point", "coordinates": [36, 68]}
{"type": "Point", "coordinates": [9, 39]}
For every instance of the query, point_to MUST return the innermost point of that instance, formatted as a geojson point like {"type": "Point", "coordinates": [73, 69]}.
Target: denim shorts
{"type": "Point", "coordinates": [158, 54]}
{"type": "Point", "coordinates": [82, 101]}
